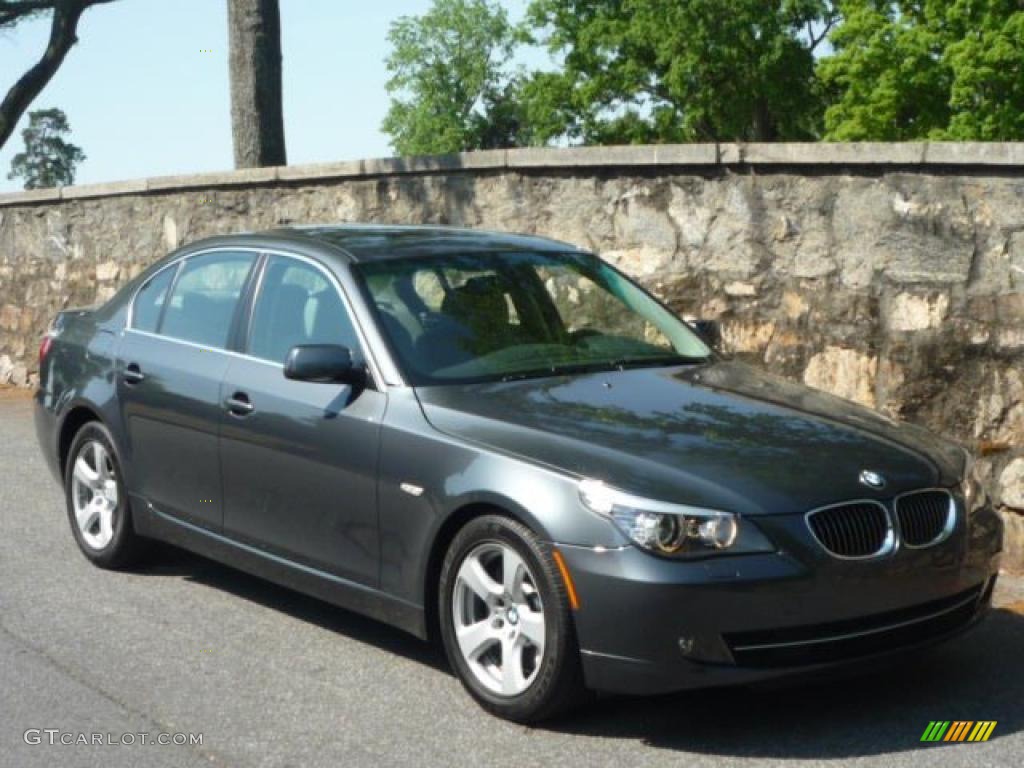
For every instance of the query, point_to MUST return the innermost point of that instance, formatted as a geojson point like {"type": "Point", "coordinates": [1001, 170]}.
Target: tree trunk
{"type": "Point", "coordinates": [63, 35]}
{"type": "Point", "coordinates": [763, 128]}
{"type": "Point", "coordinates": [257, 119]}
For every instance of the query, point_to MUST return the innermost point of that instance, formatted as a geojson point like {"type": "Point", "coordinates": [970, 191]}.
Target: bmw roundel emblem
{"type": "Point", "coordinates": [872, 479]}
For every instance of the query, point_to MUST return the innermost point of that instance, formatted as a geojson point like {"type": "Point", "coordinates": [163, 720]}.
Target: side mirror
{"type": "Point", "coordinates": [324, 363]}
{"type": "Point", "coordinates": [710, 331]}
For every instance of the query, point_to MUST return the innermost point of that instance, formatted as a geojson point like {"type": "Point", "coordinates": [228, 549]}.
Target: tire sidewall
{"type": "Point", "coordinates": [108, 556]}
{"type": "Point", "coordinates": [559, 640]}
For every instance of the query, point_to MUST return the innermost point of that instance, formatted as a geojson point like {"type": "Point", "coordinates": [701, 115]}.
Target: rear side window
{"type": "Point", "coordinates": [150, 300]}
{"type": "Point", "coordinates": [204, 298]}
{"type": "Point", "coordinates": [297, 305]}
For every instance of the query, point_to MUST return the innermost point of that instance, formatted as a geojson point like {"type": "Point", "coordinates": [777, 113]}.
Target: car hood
{"type": "Point", "coordinates": [720, 435]}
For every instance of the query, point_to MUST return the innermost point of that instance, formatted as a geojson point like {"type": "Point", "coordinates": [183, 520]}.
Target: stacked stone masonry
{"type": "Point", "coordinates": [892, 275]}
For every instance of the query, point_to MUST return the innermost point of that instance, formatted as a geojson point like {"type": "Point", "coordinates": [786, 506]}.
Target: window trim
{"type": "Point", "coordinates": [244, 330]}
{"type": "Point", "coordinates": [240, 321]}
{"type": "Point", "coordinates": [249, 296]}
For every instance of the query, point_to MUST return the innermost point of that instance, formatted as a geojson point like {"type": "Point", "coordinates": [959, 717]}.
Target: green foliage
{"type": "Point", "coordinates": [679, 70]}
{"type": "Point", "coordinates": [48, 160]}
{"type": "Point", "coordinates": [502, 120]}
{"type": "Point", "coordinates": [650, 71]}
{"type": "Point", "coordinates": [449, 83]}
{"type": "Point", "coordinates": [987, 94]}
{"type": "Point", "coordinates": [926, 69]}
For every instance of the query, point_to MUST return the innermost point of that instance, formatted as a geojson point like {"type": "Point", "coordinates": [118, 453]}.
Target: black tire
{"type": "Point", "coordinates": [125, 547]}
{"type": "Point", "coordinates": [557, 686]}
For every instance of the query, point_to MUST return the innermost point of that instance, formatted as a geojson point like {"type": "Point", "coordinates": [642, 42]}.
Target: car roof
{"type": "Point", "coordinates": [370, 242]}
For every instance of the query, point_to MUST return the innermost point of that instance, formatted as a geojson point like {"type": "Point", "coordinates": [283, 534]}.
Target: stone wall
{"type": "Point", "coordinates": [892, 275]}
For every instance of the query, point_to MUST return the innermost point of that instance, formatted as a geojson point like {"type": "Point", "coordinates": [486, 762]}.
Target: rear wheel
{"type": "Point", "coordinates": [97, 503]}
{"type": "Point", "coordinates": [506, 622]}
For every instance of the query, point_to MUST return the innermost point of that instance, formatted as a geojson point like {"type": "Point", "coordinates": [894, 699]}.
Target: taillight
{"type": "Point", "coordinates": [44, 348]}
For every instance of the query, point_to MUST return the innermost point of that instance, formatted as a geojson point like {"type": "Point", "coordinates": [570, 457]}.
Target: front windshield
{"type": "Point", "coordinates": [500, 316]}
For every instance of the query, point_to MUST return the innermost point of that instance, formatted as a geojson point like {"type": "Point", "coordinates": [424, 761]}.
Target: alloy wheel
{"type": "Point", "coordinates": [499, 618]}
{"type": "Point", "coordinates": [94, 494]}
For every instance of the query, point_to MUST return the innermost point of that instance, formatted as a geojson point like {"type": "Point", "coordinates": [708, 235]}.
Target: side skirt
{"type": "Point", "coordinates": [154, 524]}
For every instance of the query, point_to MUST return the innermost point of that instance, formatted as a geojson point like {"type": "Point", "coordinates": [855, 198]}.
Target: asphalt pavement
{"type": "Point", "coordinates": [267, 677]}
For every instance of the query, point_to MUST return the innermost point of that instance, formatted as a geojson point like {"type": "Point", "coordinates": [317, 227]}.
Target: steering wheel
{"type": "Point", "coordinates": [583, 333]}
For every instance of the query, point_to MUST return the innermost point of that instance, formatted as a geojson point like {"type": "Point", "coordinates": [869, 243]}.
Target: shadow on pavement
{"type": "Point", "coordinates": [169, 561]}
{"type": "Point", "coordinates": [976, 676]}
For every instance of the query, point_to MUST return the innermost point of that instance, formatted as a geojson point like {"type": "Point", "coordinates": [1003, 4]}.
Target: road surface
{"type": "Point", "coordinates": [271, 678]}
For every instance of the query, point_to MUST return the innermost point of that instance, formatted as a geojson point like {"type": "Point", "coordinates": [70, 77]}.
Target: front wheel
{"type": "Point", "coordinates": [506, 622]}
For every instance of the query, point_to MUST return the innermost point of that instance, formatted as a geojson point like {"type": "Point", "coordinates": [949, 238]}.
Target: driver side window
{"type": "Point", "coordinates": [297, 304]}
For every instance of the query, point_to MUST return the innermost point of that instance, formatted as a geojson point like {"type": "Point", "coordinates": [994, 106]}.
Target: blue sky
{"type": "Point", "coordinates": [143, 100]}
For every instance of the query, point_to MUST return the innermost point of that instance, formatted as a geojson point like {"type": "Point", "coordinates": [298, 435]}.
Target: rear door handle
{"type": "Point", "coordinates": [239, 404]}
{"type": "Point", "coordinates": [133, 374]}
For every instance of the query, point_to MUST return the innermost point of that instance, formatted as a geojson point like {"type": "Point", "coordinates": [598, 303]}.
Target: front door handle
{"type": "Point", "coordinates": [239, 404]}
{"type": "Point", "coordinates": [133, 374]}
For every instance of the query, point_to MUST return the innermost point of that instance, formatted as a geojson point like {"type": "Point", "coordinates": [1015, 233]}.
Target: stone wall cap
{"type": "Point", "coordinates": [795, 154]}
{"type": "Point", "coordinates": [109, 189]}
{"type": "Point", "coordinates": [313, 171]}
{"type": "Point", "coordinates": [395, 166]}
{"type": "Point", "coordinates": [994, 153]}
{"type": "Point", "coordinates": [624, 155]}
{"type": "Point", "coordinates": [825, 153]}
{"type": "Point", "coordinates": [30, 196]}
{"type": "Point", "coordinates": [242, 177]}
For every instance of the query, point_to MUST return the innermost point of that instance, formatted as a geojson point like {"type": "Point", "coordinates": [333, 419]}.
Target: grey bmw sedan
{"type": "Point", "coordinates": [503, 443]}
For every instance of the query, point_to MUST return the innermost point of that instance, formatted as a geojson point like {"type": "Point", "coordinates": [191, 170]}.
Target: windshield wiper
{"type": "Point", "coordinates": [553, 370]}
{"type": "Point", "coordinates": [619, 364]}
{"type": "Point", "coordinates": [641, 362]}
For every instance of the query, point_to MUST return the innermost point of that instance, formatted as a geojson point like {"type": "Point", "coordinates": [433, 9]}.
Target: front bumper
{"type": "Point", "coordinates": [650, 625]}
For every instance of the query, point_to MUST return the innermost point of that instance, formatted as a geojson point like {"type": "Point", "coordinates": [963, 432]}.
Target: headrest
{"type": "Point", "coordinates": [479, 301]}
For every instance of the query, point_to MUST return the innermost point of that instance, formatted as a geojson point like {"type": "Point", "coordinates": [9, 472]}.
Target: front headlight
{"type": "Point", "coordinates": [969, 485]}
{"type": "Point", "coordinates": [672, 529]}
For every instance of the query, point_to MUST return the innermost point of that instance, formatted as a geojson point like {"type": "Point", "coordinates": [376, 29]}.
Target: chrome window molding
{"type": "Point", "coordinates": [184, 342]}
{"type": "Point", "coordinates": [368, 352]}
{"type": "Point", "coordinates": [889, 544]}
{"type": "Point", "coordinates": [257, 289]}
{"type": "Point", "coordinates": [948, 527]}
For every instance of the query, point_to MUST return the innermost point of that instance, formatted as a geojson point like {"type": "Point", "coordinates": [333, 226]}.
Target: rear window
{"type": "Point", "coordinates": [149, 301]}
{"type": "Point", "coordinates": [203, 302]}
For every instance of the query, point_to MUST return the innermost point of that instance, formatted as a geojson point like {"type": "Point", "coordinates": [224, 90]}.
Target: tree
{"type": "Point", "coordinates": [48, 160]}
{"type": "Point", "coordinates": [503, 119]}
{"type": "Point", "coordinates": [257, 115]}
{"type": "Point", "coordinates": [450, 86]}
{"type": "Point", "coordinates": [987, 95]}
{"type": "Point", "coordinates": [63, 35]}
{"type": "Point", "coordinates": [926, 69]}
{"type": "Point", "coordinates": [679, 70]}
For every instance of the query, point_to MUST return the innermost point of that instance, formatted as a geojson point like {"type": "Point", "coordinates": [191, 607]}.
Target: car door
{"type": "Point", "coordinates": [300, 458]}
{"type": "Point", "coordinates": [171, 364]}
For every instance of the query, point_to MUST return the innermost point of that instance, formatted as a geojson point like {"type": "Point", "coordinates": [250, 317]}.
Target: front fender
{"type": "Point", "coordinates": [427, 476]}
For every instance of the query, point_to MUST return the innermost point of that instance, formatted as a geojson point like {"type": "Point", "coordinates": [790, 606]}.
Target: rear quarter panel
{"type": "Point", "coordinates": [77, 373]}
